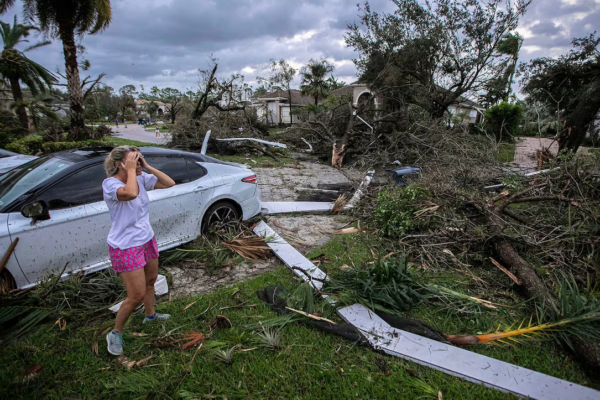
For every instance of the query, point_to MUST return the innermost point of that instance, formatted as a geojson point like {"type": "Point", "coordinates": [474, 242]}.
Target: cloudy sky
{"type": "Point", "coordinates": [164, 42]}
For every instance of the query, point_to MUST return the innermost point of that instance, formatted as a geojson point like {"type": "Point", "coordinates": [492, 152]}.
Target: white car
{"type": "Point", "coordinates": [53, 205]}
{"type": "Point", "coordinates": [10, 160]}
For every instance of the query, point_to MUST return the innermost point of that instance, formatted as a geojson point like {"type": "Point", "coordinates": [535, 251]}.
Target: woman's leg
{"type": "Point", "coordinates": [135, 285]}
{"type": "Point", "coordinates": [151, 271]}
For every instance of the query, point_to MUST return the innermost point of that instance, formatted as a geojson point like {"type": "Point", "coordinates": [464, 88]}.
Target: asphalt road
{"type": "Point", "coordinates": [137, 132]}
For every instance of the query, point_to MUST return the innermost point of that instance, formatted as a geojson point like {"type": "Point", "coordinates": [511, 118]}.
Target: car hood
{"type": "Point", "coordinates": [8, 163]}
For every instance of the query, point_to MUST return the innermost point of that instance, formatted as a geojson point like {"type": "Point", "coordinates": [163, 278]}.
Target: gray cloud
{"type": "Point", "coordinates": [164, 42]}
{"type": "Point", "coordinates": [545, 28]}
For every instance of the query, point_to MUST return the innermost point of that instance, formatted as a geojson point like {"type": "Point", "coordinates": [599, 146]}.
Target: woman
{"type": "Point", "coordinates": [131, 242]}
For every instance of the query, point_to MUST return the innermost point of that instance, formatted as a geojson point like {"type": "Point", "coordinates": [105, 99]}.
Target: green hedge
{"type": "Point", "coordinates": [35, 144]}
{"type": "Point", "coordinates": [29, 145]}
{"type": "Point", "coordinates": [53, 147]}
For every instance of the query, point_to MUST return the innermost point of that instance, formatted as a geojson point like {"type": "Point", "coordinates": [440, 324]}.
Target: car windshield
{"type": "Point", "coordinates": [22, 179]}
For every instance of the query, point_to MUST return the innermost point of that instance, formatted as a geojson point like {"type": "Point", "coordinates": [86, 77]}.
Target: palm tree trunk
{"type": "Point", "coordinates": [17, 93]}
{"type": "Point", "coordinates": [67, 36]}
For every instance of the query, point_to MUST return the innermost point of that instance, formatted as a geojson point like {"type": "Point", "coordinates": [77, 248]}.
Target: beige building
{"type": "Point", "coordinates": [141, 107]}
{"type": "Point", "coordinates": [275, 109]}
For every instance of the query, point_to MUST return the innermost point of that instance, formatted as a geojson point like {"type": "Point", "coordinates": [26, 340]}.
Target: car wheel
{"type": "Point", "coordinates": [219, 214]}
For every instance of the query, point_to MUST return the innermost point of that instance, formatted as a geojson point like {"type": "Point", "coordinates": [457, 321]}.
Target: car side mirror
{"type": "Point", "coordinates": [38, 211]}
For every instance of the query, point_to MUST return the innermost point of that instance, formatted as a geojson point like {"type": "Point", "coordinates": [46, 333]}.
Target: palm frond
{"type": "Point", "coordinates": [37, 45]}
{"type": "Point", "coordinates": [249, 246]}
{"type": "Point", "coordinates": [575, 316]}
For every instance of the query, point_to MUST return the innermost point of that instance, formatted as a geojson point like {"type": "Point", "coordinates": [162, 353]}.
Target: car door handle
{"type": "Point", "coordinates": [200, 189]}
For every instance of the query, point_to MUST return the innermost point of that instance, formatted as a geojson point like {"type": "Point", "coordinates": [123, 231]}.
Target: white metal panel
{"type": "Point", "coordinates": [462, 363]}
{"type": "Point", "coordinates": [289, 255]}
{"type": "Point", "coordinates": [282, 207]}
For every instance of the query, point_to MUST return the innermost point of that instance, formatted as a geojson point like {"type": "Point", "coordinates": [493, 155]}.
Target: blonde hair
{"type": "Point", "coordinates": [117, 155]}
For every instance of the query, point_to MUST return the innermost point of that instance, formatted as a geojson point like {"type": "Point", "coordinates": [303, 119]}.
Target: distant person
{"type": "Point", "coordinates": [125, 122]}
{"type": "Point", "coordinates": [157, 131]}
{"type": "Point", "coordinates": [149, 120]}
{"type": "Point", "coordinates": [117, 122]}
{"type": "Point", "coordinates": [139, 121]}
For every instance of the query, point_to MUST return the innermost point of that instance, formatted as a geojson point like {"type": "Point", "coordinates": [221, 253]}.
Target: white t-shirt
{"type": "Point", "coordinates": [130, 219]}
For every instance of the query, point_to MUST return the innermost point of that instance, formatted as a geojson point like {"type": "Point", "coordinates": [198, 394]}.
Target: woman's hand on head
{"type": "Point", "coordinates": [131, 161]}
{"type": "Point", "coordinates": [143, 162]}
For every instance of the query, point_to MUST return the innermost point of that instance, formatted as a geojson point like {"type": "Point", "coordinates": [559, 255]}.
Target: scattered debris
{"type": "Point", "coordinates": [288, 207]}
{"type": "Point", "coordinates": [8, 253]}
{"type": "Point", "coordinates": [348, 230]}
{"type": "Point", "coordinates": [222, 322]}
{"type": "Point", "coordinates": [462, 363]}
{"type": "Point", "coordinates": [144, 361]}
{"type": "Point", "coordinates": [310, 148]}
{"type": "Point", "coordinates": [32, 372]}
{"type": "Point", "coordinates": [339, 204]}
{"type": "Point", "coordinates": [432, 353]}
{"type": "Point", "coordinates": [205, 143]}
{"type": "Point", "coordinates": [310, 315]}
{"type": "Point", "coordinates": [360, 191]}
{"type": "Point", "coordinates": [192, 338]}
{"type": "Point", "coordinates": [507, 272]}
{"type": "Point", "coordinates": [273, 144]}
{"type": "Point", "coordinates": [250, 247]}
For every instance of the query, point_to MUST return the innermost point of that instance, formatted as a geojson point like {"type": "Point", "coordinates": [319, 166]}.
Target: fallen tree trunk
{"type": "Point", "coordinates": [588, 352]}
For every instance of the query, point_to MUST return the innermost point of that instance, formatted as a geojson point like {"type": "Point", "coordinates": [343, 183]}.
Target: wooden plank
{"type": "Point", "coordinates": [462, 363]}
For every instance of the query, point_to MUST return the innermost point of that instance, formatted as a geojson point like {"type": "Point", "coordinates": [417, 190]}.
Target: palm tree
{"type": "Point", "coordinates": [314, 82]}
{"type": "Point", "coordinates": [64, 19]}
{"type": "Point", "coordinates": [15, 67]}
{"type": "Point", "coordinates": [510, 46]}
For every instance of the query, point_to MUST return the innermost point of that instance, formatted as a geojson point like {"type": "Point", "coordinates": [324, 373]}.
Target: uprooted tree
{"type": "Point", "coordinates": [219, 106]}
{"type": "Point", "coordinates": [570, 86]}
{"type": "Point", "coordinates": [433, 53]}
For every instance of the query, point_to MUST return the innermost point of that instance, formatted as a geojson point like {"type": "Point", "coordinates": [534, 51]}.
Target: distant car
{"type": "Point", "coordinates": [54, 206]}
{"type": "Point", "coordinates": [10, 160]}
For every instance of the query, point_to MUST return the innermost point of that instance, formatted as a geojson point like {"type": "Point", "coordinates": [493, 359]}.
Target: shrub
{"type": "Point", "coordinates": [29, 145]}
{"type": "Point", "coordinates": [10, 128]}
{"type": "Point", "coordinates": [53, 147]}
{"type": "Point", "coordinates": [395, 210]}
{"type": "Point", "coordinates": [386, 285]}
{"type": "Point", "coordinates": [503, 120]}
{"type": "Point", "coordinates": [103, 131]}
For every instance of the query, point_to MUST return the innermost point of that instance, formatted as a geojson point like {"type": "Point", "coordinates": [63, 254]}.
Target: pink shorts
{"type": "Point", "coordinates": [132, 258]}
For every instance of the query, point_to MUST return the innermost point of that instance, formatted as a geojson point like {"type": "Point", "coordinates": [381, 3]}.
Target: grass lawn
{"type": "Point", "coordinates": [506, 152]}
{"type": "Point", "coordinates": [121, 142]}
{"type": "Point", "coordinates": [311, 364]}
